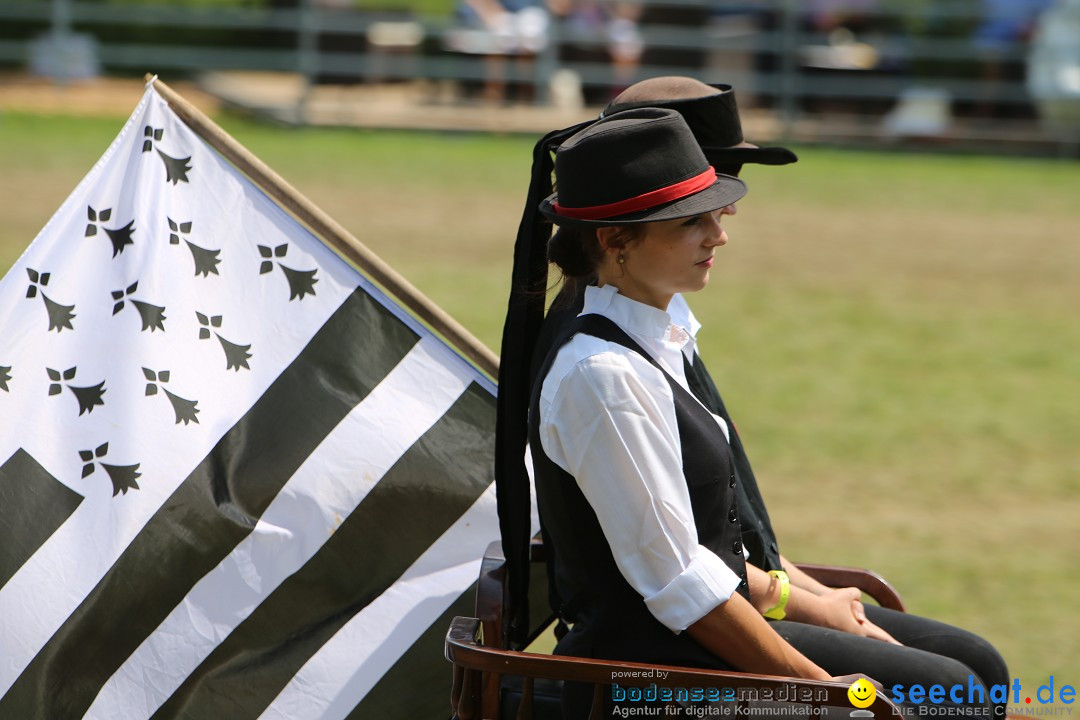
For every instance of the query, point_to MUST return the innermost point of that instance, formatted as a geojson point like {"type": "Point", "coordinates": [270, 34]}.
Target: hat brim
{"type": "Point", "coordinates": [741, 155]}
{"type": "Point", "coordinates": [725, 191]}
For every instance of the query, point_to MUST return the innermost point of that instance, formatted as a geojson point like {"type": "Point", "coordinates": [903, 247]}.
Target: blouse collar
{"type": "Point", "coordinates": [635, 317]}
{"type": "Point", "coordinates": [682, 315]}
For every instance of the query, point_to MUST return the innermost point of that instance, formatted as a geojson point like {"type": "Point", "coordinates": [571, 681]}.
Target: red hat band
{"type": "Point", "coordinates": [640, 202]}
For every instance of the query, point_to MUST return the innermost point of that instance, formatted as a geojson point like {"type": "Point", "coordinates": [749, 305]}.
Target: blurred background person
{"type": "Point", "coordinates": [616, 24]}
{"type": "Point", "coordinates": [1000, 41]}
{"type": "Point", "coordinates": [502, 30]}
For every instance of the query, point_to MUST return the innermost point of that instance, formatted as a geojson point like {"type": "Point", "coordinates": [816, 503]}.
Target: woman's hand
{"type": "Point", "coordinates": [842, 609]}
{"type": "Point", "coordinates": [871, 630]}
{"type": "Point", "coordinates": [839, 609]}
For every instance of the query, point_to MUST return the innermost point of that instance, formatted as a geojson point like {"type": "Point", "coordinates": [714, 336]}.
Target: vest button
{"type": "Point", "coordinates": [732, 516]}
{"type": "Point", "coordinates": [736, 547]}
{"type": "Point", "coordinates": [731, 482]}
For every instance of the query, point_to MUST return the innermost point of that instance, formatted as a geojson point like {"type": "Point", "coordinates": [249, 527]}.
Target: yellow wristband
{"type": "Point", "coordinates": [778, 611]}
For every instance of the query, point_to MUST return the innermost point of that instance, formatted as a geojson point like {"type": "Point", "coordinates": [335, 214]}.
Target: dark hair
{"type": "Point", "coordinates": [577, 252]}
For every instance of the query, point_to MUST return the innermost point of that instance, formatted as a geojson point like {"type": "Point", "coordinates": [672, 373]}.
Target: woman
{"type": "Point", "coordinates": [634, 477]}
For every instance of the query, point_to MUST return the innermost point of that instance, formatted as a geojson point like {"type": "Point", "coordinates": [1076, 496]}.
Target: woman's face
{"type": "Point", "coordinates": [672, 256]}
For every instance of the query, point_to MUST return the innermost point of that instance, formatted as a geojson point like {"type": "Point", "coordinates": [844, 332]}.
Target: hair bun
{"type": "Point", "coordinates": [567, 249]}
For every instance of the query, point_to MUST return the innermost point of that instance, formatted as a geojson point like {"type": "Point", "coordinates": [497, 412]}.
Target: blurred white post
{"type": "Point", "coordinates": [61, 34]}
{"type": "Point", "coordinates": [61, 18]}
{"type": "Point", "coordinates": [307, 60]}
{"type": "Point", "coordinates": [547, 62]}
{"type": "Point", "coordinates": [789, 58]}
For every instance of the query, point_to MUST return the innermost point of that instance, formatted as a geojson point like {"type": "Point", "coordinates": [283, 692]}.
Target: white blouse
{"type": "Point", "coordinates": [607, 417]}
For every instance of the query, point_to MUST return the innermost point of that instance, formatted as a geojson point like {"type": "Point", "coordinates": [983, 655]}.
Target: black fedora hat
{"type": "Point", "coordinates": [637, 166]}
{"type": "Point", "coordinates": [711, 113]}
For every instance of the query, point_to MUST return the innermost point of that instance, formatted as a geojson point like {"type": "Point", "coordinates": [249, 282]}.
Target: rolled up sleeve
{"type": "Point", "coordinates": [705, 583]}
{"type": "Point", "coordinates": [611, 424]}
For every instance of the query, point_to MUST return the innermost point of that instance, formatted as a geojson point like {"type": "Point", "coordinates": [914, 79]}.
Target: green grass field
{"type": "Point", "coordinates": [896, 336]}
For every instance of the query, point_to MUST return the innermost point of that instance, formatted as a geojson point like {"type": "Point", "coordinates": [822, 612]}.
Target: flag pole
{"type": "Point", "coordinates": [326, 227]}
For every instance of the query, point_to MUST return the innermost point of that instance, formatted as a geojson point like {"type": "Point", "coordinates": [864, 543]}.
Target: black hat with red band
{"type": "Point", "coordinates": [637, 166]}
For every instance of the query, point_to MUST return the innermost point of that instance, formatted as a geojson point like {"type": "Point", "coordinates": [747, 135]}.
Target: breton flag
{"type": "Point", "coordinates": [237, 480]}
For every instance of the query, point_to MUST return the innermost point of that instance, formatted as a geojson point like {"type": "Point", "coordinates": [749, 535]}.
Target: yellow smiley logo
{"type": "Point", "coordinates": [861, 693]}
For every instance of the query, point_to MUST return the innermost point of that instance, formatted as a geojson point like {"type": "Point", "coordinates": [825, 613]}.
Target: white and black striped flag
{"type": "Point", "coordinates": [236, 479]}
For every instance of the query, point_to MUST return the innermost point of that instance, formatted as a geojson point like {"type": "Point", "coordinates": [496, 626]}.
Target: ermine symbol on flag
{"type": "Point", "coordinates": [60, 316]}
{"type": "Point", "coordinates": [206, 260]}
{"type": "Point", "coordinates": [176, 169]}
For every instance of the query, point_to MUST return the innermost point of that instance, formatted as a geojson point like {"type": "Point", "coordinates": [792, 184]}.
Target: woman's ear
{"type": "Point", "coordinates": [608, 238]}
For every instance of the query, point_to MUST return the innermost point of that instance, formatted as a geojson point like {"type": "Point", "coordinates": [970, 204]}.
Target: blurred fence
{"type": "Point", "coordinates": [796, 56]}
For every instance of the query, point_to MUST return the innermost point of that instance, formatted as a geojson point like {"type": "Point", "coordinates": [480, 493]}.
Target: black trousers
{"type": "Point", "coordinates": [933, 653]}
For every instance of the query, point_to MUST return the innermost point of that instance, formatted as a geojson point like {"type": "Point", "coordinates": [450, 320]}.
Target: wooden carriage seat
{"type": "Point", "coordinates": [493, 682]}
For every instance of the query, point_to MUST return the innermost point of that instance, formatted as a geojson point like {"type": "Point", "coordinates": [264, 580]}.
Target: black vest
{"type": "Point", "coordinates": [757, 532]}
{"type": "Point", "coordinates": [758, 535]}
{"type": "Point", "coordinates": [609, 615]}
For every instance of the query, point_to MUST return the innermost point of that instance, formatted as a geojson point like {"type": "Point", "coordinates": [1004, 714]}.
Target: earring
{"type": "Point", "coordinates": [620, 258]}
